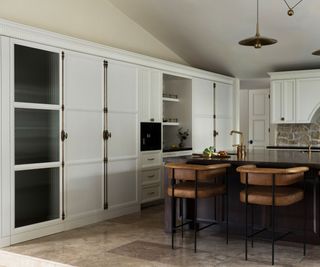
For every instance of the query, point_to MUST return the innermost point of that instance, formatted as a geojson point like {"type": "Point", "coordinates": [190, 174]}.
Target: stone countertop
{"type": "Point", "coordinates": [280, 158]}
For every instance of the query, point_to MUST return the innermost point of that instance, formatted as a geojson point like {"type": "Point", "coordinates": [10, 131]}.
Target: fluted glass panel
{"type": "Point", "coordinates": [36, 75]}
{"type": "Point", "coordinates": [36, 136]}
{"type": "Point", "coordinates": [36, 196]}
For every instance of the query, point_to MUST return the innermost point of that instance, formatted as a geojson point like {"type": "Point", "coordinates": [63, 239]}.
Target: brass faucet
{"type": "Point", "coordinates": [241, 148]}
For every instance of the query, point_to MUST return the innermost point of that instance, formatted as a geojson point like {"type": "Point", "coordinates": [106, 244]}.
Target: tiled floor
{"type": "Point", "coordinates": [139, 240]}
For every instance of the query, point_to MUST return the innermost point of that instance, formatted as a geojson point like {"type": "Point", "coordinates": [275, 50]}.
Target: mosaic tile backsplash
{"type": "Point", "coordinates": [299, 134]}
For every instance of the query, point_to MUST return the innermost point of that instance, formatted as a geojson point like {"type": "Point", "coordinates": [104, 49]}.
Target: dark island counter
{"type": "Point", "coordinates": [286, 217]}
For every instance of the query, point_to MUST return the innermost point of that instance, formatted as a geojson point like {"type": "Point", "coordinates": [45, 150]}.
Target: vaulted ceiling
{"type": "Point", "coordinates": [205, 33]}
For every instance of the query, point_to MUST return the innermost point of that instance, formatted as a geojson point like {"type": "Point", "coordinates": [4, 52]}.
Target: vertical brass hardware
{"type": "Point", "coordinates": [106, 135]}
{"type": "Point", "coordinates": [215, 133]}
{"type": "Point", "coordinates": [63, 137]}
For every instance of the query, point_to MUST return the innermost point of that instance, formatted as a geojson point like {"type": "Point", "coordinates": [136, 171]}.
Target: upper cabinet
{"type": "Point", "coordinates": [307, 98]}
{"type": "Point", "coordinates": [283, 101]}
{"type": "Point", "coordinates": [295, 96]}
{"type": "Point", "coordinates": [150, 87]}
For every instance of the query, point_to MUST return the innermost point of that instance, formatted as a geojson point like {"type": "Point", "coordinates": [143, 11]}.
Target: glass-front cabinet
{"type": "Point", "coordinates": [37, 111]}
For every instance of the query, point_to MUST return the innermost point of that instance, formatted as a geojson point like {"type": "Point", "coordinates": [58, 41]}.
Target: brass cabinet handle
{"type": "Point", "coordinates": [64, 135]}
{"type": "Point", "coordinates": [282, 118]}
{"type": "Point", "coordinates": [151, 193]}
{"type": "Point", "coordinates": [151, 159]}
{"type": "Point", "coordinates": [152, 119]}
{"type": "Point", "coordinates": [106, 135]}
{"type": "Point", "coordinates": [151, 176]}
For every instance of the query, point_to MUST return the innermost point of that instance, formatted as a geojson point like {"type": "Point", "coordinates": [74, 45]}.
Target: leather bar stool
{"type": "Point", "coordinates": [189, 181]}
{"type": "Point", "coordinates": [271, 187]}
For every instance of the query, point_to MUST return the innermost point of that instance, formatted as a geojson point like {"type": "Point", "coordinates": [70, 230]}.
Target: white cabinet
{"type": "Point", "coordinates": [212, 121]}
{"type": "Point", "coordinates": [307, 99]}
{"type": "Point", "coordinates": [283, 101]}
{"type": "Point", "coordinates": [224, 118]}
{"type": "Point", "coordinates": [150, 176]}
{"type": "Point", "coordinates": [203, 111]}
{"type": "Point", "coordinates": [150, 90]}
{"type": "Point", "coordinates": [123, 124]}
{"type": "Point", "coordinates": [84, 90]}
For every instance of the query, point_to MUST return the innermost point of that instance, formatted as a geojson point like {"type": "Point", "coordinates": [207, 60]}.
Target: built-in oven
{"type": "Point", "coordinates": [150, 136]}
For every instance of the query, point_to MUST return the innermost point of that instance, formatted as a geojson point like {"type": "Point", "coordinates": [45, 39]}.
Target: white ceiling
{"type": "Point", "coordinates": [206, 33]}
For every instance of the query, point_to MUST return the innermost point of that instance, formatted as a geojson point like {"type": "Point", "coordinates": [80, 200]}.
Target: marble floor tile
{"type": "Point", "coordinates": [139, 240]}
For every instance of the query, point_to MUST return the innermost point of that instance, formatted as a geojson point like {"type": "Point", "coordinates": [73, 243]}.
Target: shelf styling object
{"type": "Point", "coordinates": [258, 41]}
{"type": "Point", "coordinates": [183, 135]}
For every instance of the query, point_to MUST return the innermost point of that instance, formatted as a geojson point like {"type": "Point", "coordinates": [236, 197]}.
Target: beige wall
{"type": "Point", "coordinates": [94, 20]}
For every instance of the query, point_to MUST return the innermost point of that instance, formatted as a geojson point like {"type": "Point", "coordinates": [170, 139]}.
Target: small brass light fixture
{"type": "Point", "coordinates": [316, 53]}
{"type": "Point", "coordinates": [258, 41]}
{"type": "Point", "coordinates": [290, 9]}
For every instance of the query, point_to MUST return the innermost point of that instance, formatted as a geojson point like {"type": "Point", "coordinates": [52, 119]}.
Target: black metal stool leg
{"type": "Point", "coordinates": [246, 204]}
{"type": "Point", "coordinates": [273, 215]}
{"type": "Point", "coordinates": [195, 211]}
{"type": "Point", "coordinates": [181, 212]}
{"type": "Point", "coordinates": [227, 207]}
{"type": "Point", "coordinates": [173, 211]}
{"type": "Point", "coordinates": [252, 223]}
{"type": "Point", "coordinates": [305, 217]}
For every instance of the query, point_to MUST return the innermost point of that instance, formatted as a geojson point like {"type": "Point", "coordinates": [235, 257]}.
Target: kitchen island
{"type": "Point", "coordinates": [286, 217]}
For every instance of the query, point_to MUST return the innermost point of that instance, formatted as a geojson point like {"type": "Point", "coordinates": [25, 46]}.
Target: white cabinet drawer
{"type": "Point", "coordinates": [151, 159]}
{"type": "Point", "coordinates": [150, 176]}
{"type": "Point", "coordinates": [150, 193]}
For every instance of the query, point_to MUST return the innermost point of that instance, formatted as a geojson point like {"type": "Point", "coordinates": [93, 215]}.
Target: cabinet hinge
{"type": "Point", "coordinates": [105, 110]}
{"type": "Point", "coordinates": [62, 107]}
{"type": "Point", "coordinates": [62, 163]}
{"type": "Point", "coordinates": [63, 216]}
{"type": "Point", "coordinates": [214, 116]}
{"type": "Point", "coordinates": [62, 55]}
{"type": "Point", "coordinates": [105, 160]}
{"type": "Point", "coordinates": [269, 96]}
{"type": "Point", "coordinates": [269, 130]}
{"type": "Point", "coordinates": [214, 85]}
{"type": "Point", "coordinates": [106, 206]}
{"type": "Point", "coordinates": [215, 133]}
{"type": "Point", "coordinates": [105, 63]}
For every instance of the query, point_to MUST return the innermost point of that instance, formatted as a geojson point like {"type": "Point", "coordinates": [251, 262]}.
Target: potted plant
{"type": "Point", "coordinates": [183, 135]}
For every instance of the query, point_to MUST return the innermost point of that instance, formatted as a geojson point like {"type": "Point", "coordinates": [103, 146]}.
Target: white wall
{"type": "Point", "coordinates": [94, 20]}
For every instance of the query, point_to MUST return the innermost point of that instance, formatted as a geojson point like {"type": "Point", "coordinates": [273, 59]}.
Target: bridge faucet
{"type": "Point", "coordinates": [241, 148]}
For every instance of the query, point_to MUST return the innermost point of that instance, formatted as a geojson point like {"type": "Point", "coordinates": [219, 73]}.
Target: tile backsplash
{"type": "Point", "coordinates": [299, 134]}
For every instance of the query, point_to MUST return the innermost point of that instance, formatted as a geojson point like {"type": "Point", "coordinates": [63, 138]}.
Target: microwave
{"type": "Point", "coordinates": [150, 136]}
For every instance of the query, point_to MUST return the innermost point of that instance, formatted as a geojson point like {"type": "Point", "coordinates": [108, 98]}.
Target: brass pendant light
{"type": "Point", "coordinates": [316, 53]}
{"type": "Point", "coordinates": [257, 41]}
{"type": "Point", "coordinates": [290, 9]}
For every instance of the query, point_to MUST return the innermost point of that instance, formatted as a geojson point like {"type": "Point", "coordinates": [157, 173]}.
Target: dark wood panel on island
{"type": "Point", "coordinates": [288, 217]}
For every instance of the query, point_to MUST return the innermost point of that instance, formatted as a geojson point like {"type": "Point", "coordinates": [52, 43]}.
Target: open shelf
{"type": "Point", "coordinates": [170, 99]}
{"type": "Point", "coordinates": [170, 123]}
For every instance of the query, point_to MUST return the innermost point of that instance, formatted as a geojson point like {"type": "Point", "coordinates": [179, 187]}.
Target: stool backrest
{"type": "Point", "coordinates": [188, 172]}
{"type": "Point", "coordinates": [264, 176]}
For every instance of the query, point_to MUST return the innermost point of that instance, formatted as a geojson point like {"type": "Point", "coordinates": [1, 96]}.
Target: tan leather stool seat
{"type": "Point", "coordinates": [205, 190]}
{"type": "Point", "coordinates": [262, 195]}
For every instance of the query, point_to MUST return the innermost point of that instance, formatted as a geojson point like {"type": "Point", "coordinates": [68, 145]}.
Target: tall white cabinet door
{"type": "Point", "coordinates": [84, 85]}
{"type": "Point", "coordinates": [258, 119]}
{"type": "Point", "coordinates": [123, 125]}
{"type": "Point", "coordinates": [289, 101]}
{"type": "Point", "coordinates": [276, 101]}
{"type": "Point", "coordinates": [224, 116]}
{"type": "Point", "coordinates": [150, 84]}
{"type": "Point", "coordinates": [202, 110]}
